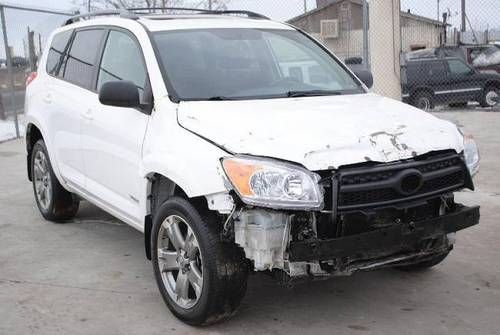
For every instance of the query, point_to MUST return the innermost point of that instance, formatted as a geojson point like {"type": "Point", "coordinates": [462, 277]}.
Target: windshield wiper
{"type": "Point", "coordinates": [311, 93]}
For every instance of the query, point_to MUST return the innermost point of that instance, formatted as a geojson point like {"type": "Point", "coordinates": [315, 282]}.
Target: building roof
{"type": "Point", "coordinates": [421, 18]}
{"type": "Point", "coordinates": [360, 2]}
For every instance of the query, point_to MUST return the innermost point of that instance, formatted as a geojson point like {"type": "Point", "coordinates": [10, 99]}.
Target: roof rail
{"type": "Point", "coordinates": [122, 13]}
{"type": "Point", "coordinates": [200, 10]}
{"type": "Point", "coordinates": [129, 13]}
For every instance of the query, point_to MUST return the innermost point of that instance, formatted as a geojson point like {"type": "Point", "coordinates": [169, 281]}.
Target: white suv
{"type": "Point", "coordinates": [239, 144]}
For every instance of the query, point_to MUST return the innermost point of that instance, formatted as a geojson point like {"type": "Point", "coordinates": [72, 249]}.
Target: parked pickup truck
{"type": "Point", "coordinates": [204, 132]}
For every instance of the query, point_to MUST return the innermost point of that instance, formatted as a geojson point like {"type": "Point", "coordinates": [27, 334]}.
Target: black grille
{"type": "Point", "coordinates": [383, 184]}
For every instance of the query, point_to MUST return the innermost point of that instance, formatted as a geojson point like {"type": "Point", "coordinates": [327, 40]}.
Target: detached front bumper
{"type": "Point", "coordinates": [400, 239]}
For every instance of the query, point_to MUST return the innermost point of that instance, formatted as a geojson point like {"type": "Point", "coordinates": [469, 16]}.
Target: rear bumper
{"type": "Point", "coordinates": [401, 238]}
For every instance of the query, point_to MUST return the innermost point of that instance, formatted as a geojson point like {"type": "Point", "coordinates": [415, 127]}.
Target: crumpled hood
{"type": "Point", "coordinates": [321, 132]}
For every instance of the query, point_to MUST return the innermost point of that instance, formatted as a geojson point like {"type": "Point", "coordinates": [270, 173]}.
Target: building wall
{"type": "Point", "coordinates": [312, 23]}
{"type": "Point", "coordinates": [414, 32]}
{"type": "Point", "coordinates": [349, 44]}
{"type": "Point", "coordinates": [419, 34]}
{"type": "Point", "coordinates": [349, 14]}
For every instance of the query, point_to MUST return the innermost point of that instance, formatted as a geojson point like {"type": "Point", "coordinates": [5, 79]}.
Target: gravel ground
{"type": "Point", "coordinates": [90, 276]}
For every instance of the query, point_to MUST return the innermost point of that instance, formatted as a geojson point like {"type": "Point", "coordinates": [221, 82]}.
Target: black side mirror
{"type": "Point", "coordinates": [119, 94]}
{"type": "Point", "coordinates": [365, 76]}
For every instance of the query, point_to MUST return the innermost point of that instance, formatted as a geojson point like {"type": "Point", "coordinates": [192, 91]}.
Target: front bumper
{"type": "Point", "coordinates": [403, 238]}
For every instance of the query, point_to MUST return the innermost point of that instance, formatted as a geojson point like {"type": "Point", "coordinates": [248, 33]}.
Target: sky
{"type": "Point", "coordinates": [483, 14]}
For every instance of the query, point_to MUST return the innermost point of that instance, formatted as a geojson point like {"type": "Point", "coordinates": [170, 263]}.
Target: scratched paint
{"type": "Point", "coordinates": [321, 132]}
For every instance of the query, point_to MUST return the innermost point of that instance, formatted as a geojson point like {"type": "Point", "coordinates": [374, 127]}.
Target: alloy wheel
{"type": "Point", "coordinates": [491, 98]}
{"type": "Point", "coordinates": [180, 262]}
{"type": "Point", "coordinates": [42, 179]}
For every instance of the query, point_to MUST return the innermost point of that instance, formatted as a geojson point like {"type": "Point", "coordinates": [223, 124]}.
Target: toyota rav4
{"type": "Point", "coordinates": [238, 144]}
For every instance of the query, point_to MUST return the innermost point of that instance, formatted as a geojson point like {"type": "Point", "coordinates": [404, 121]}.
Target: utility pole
{"type": "Point", "coordinates": [463, 27]}
{"type": "Point", "coordinates": [366, 54]}
{"type": "Point", "coordinates": [210, 5]}
{"type": "Point", "coordinates": [88, 6]}
{"type": "Point", "coordinates": [438, 10]}
{"type": "Point", "coordinates": [31, 49]}
{"type": "Point", "coordinates": [305, 6]}
{"type": "Point", "coordinates": [10, 72]}
{"type": "Point", "coordinates": [40, 45]}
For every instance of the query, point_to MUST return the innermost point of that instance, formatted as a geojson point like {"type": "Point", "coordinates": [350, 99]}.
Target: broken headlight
{"type": "Point", "coordinates": [268, 183]}
{"type": "Point", "coordinates": [471, 153]}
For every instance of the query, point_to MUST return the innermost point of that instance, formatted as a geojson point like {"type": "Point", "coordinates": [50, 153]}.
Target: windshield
{"type": "Point", "coordinates": [227, 64]}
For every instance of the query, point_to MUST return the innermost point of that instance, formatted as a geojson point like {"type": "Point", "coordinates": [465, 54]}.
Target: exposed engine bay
{"type": "Point", "coordinates": [373, 216]}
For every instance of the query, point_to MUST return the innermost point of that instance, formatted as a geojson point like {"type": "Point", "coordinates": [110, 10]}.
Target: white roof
{"type": "Point", "coordinates": [179, 22]}
{"type": "Point", "coordinates": [199, 21]}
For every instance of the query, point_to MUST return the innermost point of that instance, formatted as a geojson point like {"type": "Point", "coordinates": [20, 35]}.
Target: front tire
{"type": "Point", "coordinates": [54, 202]}
{"type": "Point", "coordinates": [201, 279]}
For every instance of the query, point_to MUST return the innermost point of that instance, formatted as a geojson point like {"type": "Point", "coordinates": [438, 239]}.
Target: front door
{"type": "Point", "coordinates": [463, 82]}
{"type": "Point", "coordinates": [112, 137]}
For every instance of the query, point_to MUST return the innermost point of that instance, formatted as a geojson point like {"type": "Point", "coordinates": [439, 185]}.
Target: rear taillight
{"type": "Point", "coordinates": [30, 78]}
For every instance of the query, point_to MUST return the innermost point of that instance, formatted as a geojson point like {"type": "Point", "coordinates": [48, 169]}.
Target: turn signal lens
{"type": "Point", "coordinates": [270, 183]}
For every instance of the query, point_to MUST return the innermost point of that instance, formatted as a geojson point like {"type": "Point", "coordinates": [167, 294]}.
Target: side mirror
{"type": "Point", "coordinates": [119, 94]}
{"type": "Point", "coordinates": [365, 76]}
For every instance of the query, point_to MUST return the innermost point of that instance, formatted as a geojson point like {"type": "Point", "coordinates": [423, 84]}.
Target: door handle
{"type": "Point", "coordinates": [48, 98]}
{"type": "Point", "coordinates": [88, 115]}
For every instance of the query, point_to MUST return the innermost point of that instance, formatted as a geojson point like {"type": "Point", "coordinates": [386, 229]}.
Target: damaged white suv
{"type": "Point", "coordinates": [239, 144]}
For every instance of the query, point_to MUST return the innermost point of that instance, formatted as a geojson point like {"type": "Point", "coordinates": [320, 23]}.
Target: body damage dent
{"type": "Point", "coordinates": [341, 130]}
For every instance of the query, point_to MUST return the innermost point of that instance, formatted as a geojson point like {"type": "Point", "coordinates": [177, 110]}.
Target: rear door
{"type": "Point", "coordinates": [437, 78]}
{"type": "Point", "coordinates": [68, 94]}
{"type": "Point", "coordinates": [464, 85]}
{"type": "Point", "coordinates": [112, 137]}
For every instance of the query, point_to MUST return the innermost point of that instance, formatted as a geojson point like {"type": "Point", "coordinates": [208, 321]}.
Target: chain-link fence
{"type": "Point", "coordinates": [425, 52]}
{"type": "Point", "coordinates": [24, 33]}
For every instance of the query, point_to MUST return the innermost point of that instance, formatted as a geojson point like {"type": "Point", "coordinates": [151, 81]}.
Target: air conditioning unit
{"type": "Point", "coordinates": [329, 28]}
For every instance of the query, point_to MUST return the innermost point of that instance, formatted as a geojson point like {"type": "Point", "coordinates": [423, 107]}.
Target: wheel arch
{"type": "Point", "coordinates": [159, 189]}
{"type": "Point", "coordinates": [33, 135]}
{"type": "Point", "coordinates": [421, 89]}
{"type": "Point", "coordinates": [492, 83]}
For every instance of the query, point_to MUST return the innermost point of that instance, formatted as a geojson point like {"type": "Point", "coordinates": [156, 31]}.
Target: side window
{"type": "Point", "coordinates": [57, 51]}
{"type": "Point", "coordinates": [122, 60]}
{"type": "Point", "coordinates": [437, 69]}
{"type": "Point", "coordinates": [458, 67]}
{"type": "Point", "coordinates": [79, 66]}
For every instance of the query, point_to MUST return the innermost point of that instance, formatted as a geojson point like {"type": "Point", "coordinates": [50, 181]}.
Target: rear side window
{"type": "Point", "coordinates": [436, 69]}
{"type": "Point", "coordinates": [57, 51]}
{"type": "Point", "coordinates": [82, 58]}
{"type": "Point", "coordinates": [122, 60]}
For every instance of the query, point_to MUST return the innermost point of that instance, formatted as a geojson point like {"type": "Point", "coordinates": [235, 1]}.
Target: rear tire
{"type": "Point", "coordinates": [424, 101]}
{"type": "Point", "coordinates": [489, 95]}
{"type": "Point", "coordinates": [220, 267]}
{"type": "Point", "coordinates": [425, 265]}
{"type": "Point", "coordinates": [54, 202]}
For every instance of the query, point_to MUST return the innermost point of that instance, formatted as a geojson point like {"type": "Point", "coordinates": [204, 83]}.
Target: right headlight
{"type": "Point", "coordinates": [471, 153]}
{"type": "Point", "coordinates": [275, 184]}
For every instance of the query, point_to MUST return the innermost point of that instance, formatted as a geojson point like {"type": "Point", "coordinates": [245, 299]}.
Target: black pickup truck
{"type": "Point", "coordinates": [427, 82]}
